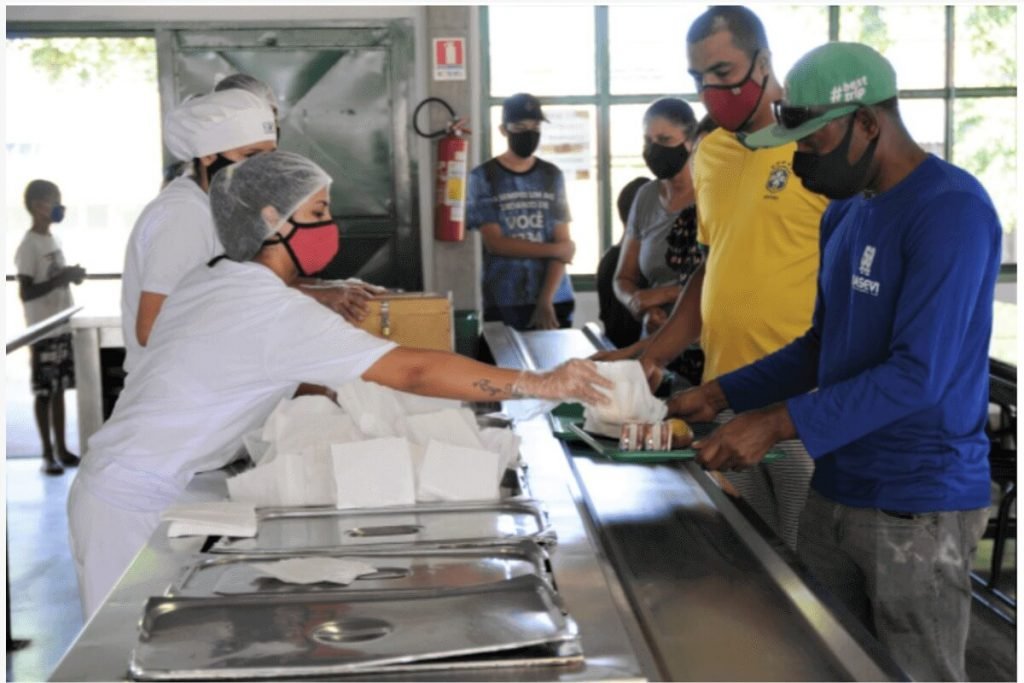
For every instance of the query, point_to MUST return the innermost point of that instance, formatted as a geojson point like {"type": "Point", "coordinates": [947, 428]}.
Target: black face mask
{"type": "Point", "coordinates": [219, 164]}
{"type": "Point", "coordinates": [665, 162]}
{"type": "Point", "coordinates": [524, 144]}
{"type": "Point", "coordinates": [831, 174]}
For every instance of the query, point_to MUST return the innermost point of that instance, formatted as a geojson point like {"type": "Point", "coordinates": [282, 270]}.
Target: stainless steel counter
{"type": "Point", "coordinates": [716, 597]}
{"type": "Point", "coordinates": [665, 577]}
{"type": "Point", "coordinates": [612, 643]}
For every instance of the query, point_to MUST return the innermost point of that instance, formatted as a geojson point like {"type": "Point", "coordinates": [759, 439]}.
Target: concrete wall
{"type": "Point", "coordinates": [454, 266]}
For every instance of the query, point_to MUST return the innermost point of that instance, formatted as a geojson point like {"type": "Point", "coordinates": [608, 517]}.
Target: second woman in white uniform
{"type": "Point", "coordinates": [175, 233]}
{"type": "Point", "coordinates": [231, 341]}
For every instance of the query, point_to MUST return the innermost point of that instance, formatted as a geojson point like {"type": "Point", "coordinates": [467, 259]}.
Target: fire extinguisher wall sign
{"type": "Point", "coordinates": [449, 59]}
{"type": "Point", "coordinates": [452, 175]}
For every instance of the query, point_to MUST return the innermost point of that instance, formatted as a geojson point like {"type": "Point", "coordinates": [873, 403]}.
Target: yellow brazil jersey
{"type": "Point", "coordinates": [761, 227]}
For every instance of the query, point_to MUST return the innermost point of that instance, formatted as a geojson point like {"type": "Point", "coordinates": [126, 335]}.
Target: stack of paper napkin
{"type": "Point", "coordinates": [220, 518]}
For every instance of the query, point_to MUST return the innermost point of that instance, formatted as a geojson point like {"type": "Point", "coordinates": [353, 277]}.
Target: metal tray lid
{"type": "Point", "coordinates": [398, 569]}
{"type": "Point", "coordinates": [328, 529]}
{"type": "Point", "coordinates": [564, 654]}
{"type": "Point", "coordinates": [322, 634]}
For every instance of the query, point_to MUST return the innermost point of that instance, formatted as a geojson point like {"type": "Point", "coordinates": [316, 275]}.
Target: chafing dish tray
{"type": "Point", "coordinates": [327, 529]}
{"type": "Point", "coordinates": [325, 634]}
{"type": "Point", "coordinates": [397, 569]}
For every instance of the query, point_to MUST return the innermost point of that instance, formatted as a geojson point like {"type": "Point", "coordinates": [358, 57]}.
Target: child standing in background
{"type": "Point", "coordinates": [44, 285]}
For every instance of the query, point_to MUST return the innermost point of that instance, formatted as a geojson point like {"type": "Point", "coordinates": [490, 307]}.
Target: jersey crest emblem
{"type": "Point", "coordinates": [778, 177]}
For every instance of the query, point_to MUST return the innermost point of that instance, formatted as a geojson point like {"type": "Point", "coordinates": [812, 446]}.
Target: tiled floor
{"type": "Point", "coordinates": [43, 591]}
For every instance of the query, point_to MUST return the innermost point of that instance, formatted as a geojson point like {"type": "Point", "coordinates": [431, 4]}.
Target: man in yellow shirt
{"type": "Point", "coordinates": [755, 292]}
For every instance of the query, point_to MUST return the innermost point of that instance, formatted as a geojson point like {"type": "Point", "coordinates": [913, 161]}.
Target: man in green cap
{"type": "Point", "coordinates": [889, 388]}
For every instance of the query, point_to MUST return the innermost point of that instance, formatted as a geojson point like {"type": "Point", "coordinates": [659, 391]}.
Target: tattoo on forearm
{"type": "Point", "coordinates": [488, 388]}
{"type": "Point", "coordinates": [485, 386]}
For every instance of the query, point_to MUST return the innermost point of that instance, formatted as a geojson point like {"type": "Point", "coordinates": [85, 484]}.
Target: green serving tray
{"type": "Point", "coordinates": [562, 416]}
{"type": "Point", "coordinates": [610, 449]}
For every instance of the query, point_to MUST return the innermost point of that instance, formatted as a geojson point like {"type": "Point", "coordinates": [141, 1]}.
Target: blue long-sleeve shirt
{"type": "Point", "coordinates": [898, 348]}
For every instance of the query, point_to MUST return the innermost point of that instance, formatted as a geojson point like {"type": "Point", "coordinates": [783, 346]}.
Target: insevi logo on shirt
{"type": "Point", "coordinates": [862, 283]}
{"type": "Point", "coordinates": [866, 259]}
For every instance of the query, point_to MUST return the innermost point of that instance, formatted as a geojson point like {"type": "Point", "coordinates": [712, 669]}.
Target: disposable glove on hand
{"type": "Point", "coordinates": [575, 379]}
{"type": "Point", "coordinates": [631, 399]}
{"type": "Point", "coordinates": [349, 298]}
{"type": "Point", "coordinates": [353, 298]}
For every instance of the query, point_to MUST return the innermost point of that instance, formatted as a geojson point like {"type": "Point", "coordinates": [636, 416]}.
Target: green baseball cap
{"type": "Point", "coordinates": [828, 82]}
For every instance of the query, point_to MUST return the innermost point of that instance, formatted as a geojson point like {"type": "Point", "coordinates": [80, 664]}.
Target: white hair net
{"type": "Point", "coordinates": [250, 84]}
{"type": "Point", "coordinates": [218, 122]}
{"type": "Point", "coordinates": [239, 193]}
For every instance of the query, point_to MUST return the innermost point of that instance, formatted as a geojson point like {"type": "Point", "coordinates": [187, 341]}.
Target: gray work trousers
{"type": "Point", "coordinates": [907, 578]}
{"type": "Point", "coordinates": [776, 490]}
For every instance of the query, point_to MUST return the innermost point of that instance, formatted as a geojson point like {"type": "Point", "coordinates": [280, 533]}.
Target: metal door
{"type": "Point", "coordinates": [343, 96]}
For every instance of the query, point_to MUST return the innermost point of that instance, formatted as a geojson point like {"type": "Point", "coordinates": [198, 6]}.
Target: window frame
{"type": "Point", "coordinates": [99, 29]}
{"type": "Point", "coordinates": [604, 99]}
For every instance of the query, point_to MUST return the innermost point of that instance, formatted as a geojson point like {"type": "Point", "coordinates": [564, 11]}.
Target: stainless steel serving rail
{"type": "Point", "coordinates": [28, 336]}
{"type": "Point", "coordinates": [41, 329]}
{"type": "Point", "coordinates": [716, 597]}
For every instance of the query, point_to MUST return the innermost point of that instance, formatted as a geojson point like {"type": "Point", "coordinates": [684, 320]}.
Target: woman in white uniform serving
{"type": "Point", "coordinates": [231, 341]}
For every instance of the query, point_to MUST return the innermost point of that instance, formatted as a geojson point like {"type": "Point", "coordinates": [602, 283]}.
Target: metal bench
{"type": "Point", "coordinates": [1003, 463]}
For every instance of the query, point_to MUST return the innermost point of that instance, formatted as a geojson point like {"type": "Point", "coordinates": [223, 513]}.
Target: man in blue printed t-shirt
{"type": "Point", "coordinates": [889, 388]}
{"type": "Point", "coordinates": [518, 204]}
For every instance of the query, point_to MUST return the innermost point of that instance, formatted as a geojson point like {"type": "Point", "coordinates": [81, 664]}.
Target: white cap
{"type": "Point", "coordinates": [247, 82]}
{"type": "Point", "coordinates": [217, 122]}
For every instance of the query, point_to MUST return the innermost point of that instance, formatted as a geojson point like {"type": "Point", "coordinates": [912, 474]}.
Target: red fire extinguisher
{"type": "Point", "coordinates": [452, 175]}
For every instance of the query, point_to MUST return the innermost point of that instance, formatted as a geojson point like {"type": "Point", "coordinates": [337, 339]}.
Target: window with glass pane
{"type": "Point", "coordinates": [83, 104]}
{"type": "Point", "coordinates": [627, 142]}
{"type": "Point", "coordinates": [647, 56]}
{"type": "Point", "coordinates": [648, 48]}
{"type": "Point", "coordinates": [567, 141]}
{"type": "Point", "coordinates": [985, 144]}
{"type": "Point", "coordinates": [542, 50]}
{"type": "Point", "coordinates": [792, 31]}
{"type": "Point", "coordinates": [986, 46]}
{"type": "Point", "coordinates": [925, 121]}
{"type": "Point", "coordinates": [913, 38]}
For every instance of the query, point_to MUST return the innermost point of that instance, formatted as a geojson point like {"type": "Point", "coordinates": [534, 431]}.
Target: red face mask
{"type": "Point", "coordinates": [311, 245]}
{"type": "Point", "coordinates": [731, 106]}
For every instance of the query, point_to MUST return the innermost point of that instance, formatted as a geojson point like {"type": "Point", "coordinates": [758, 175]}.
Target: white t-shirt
{"type": "Point", "coordinates": [173, 235]}
{"type": "Point", "coordinates": [41, 258]}
{"type": "Point", "coordinates": [231, 341]}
